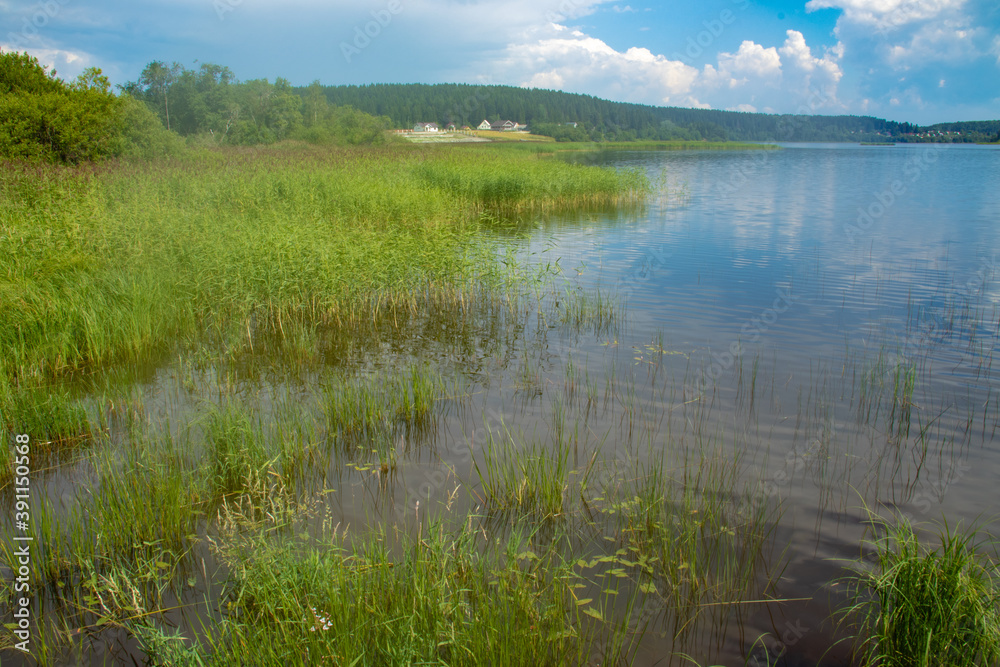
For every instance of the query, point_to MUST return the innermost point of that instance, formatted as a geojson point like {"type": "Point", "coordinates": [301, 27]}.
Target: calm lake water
{"type": "Point", "coordinates": [823, 316]}
{"type": "Point", "coordinates": [823, 264]}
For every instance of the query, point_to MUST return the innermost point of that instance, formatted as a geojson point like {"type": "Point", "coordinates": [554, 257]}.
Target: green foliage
{"type": "Point", "coordinates": [445, 599]}
{"type": "Point", "coordinates": [44, 119]}
{"type": "Point", "coordinates": [211, 104]}
{"type": "Point", "coordinates": [143, 134]}
{"type": "Point", "coordinates": [923, 607]}
{"type": "Point", "coordinates": [22, 74]}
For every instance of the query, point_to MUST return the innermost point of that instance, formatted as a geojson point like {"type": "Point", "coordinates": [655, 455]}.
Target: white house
{"type": "Point", "coordinates": [485, 125]}
{"type": "Point", "coordinates": [425, 127]}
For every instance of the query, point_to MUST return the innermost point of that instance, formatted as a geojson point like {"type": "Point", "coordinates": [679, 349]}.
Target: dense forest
{"type": "Point", "coordinates": [45, 118]}
{"type": "Point", "coordinates": [548, 111]}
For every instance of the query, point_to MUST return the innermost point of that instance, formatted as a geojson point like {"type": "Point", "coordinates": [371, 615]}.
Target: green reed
{"type": "Point", "coordinates": [447, 597]}
{"type": "Point", "coordinates": [116, 262]}
{"type": "Point", "coordinates": [915, 605]}
{"type": "Point", "coordinates": [527, 479]}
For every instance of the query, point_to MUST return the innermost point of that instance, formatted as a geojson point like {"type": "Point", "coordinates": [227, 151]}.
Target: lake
{"type": "Point", "coordinates": [813, 266]}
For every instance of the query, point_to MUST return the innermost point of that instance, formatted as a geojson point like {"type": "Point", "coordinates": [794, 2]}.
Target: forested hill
{"type": "Point", "coordinates": [547, 112]}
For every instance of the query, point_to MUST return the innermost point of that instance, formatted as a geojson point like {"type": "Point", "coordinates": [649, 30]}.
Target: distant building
{"type": "Point", "coordinates": [449, 126]}
{"type": "Point", "coordinates": [426, 127]}
{"type": "Point", "coordinates": [485, 125]}
{"type": "Point", "coordinates": [503, 126]}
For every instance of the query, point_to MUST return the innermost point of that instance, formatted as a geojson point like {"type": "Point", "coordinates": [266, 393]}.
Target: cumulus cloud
{"type": "Point", "coordinates": [900, 51]}
{"type": "Point", "coordinates": [754, 76]}
{"type": "Point", "coordinates": [571, 60]}
{"type": "Point", "coordinates": [884, 14]}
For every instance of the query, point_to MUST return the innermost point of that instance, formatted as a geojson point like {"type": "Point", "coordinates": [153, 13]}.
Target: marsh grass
{"type": "Point", "coordinates": [116, 262]}
{"type": "Point", "coordinates": [523, 478]}
{"type": "Point", "coordinates": [706, 543]}
{"type": "Point", "coordinates": [452, 598]}
{"type": "Point", "coordinates": [921, 606]}
{"type": "Point", "coordinates": [484, 179]}
{"type": "Point", "coordinates": [237, 449]}
{"type": "Point", "coordinates": [382, 414]}
{"type": "Point", "coordinates": [56, 422]}
{"type": "Point", "coordinates": [601, 313]}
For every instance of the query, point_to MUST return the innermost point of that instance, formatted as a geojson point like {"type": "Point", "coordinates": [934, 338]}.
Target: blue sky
{"type": "Point", "coordinates": [923, 61]}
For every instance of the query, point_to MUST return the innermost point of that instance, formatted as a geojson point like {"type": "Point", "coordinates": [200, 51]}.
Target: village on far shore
{"type": "Point", "coordinates": [485, 131]}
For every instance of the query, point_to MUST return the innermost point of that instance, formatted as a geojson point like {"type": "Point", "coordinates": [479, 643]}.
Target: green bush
{"type": "Point", "coordinates": [45, 119]}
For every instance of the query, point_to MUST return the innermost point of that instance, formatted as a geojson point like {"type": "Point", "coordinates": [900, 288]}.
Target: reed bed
{"type": "Point", "coordinates": [116, 262]}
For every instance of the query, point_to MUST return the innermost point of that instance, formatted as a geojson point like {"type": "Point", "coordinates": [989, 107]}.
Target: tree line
{"type": "Point", "coordinates": [548, 112]}
{"type": "Point", "coordinates": [211, 103]}
{"type": "Point", "coordinates": [45, 118]}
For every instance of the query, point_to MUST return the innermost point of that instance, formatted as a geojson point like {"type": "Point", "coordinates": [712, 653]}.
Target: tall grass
{"type": "Point", "coordinates": [118, 261]}
{"type": "Point", "coordinates": [447, 598]}
{"type": "Point", "coordinates": [921, 606]}
{"type": "Point", "coordinates": [526, 479]}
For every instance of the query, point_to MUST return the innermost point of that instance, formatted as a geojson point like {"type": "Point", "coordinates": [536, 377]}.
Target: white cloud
{"type": "Point", "coordinates": [572, 60]}
{"type": "Point", "coordinates": [751, 60]}
{"type": "Point", "coordinates": [754, 76]}
{"type": "Point", "coordinates": [887, 14]}
{"type": "Point", "coordinates": [947, 41]}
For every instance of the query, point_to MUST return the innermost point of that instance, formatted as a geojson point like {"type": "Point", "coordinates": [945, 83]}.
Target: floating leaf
{"type": "Point", "coordinates": [590, 611]}
{"type": "Point", "coordinates": [580, 603]}
{"type": "Point", "coordinates": [648, 587]}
